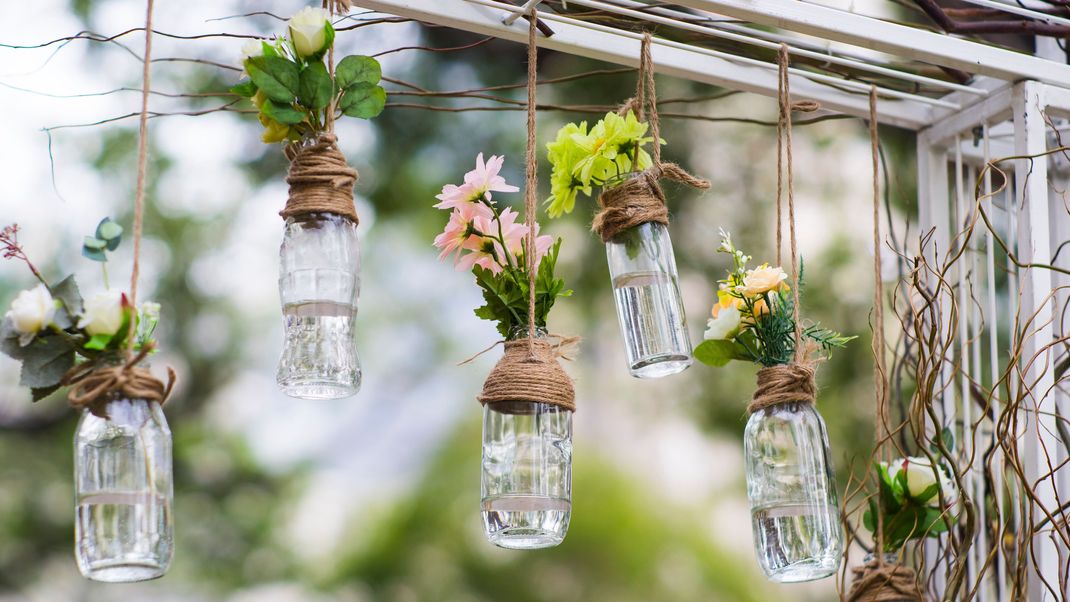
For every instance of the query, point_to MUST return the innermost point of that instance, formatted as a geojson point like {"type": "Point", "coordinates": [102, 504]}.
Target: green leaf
{"type": "Point", "coordinates": [40, 393]}
{"type": "Point", "coordinates": [363, 100]}
{"type": "Point", "coordinates": [277, 77]}
{"type": "Point", "coordinates": [98, 342]}
{"type": "Point", "coordinates": [94, 254]}
{"type": "Point", "coordinates": [928, 494]}
{"type": "Point", "coordinates": [245, 88]}
{"type": "Point", "coordinates": [46, 360]}
{"type": "Point", "coordinates": [109, 231]}
{"type": "Point", "coordinates": [869, 518]}
{"type": "Point", "coordinates": [315, 88]}
{"type": "Point", "coordinates": [67, 292]}
{"type": "Point", "coordinates": [719, 352]}
{"type": "Point", "coordinates": [358, 69]}
{"type": "Point", "coordinates": [91, 242]}
{"type": "Point", "coordinates": [9, 340]}
{"type": "Point", "coordinates": [282, 113]}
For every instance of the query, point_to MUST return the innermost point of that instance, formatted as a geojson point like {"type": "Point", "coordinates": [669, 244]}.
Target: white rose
{"type": "Point", "coordinates": [31, 311]}
{"type": "Point", "coordinates": [308, 31]}
{"type": "Point", "coordinates": [921, 476]}
{"type": "Point", "coordinates": [251, 49]}
{"type": "Point", "coordinates": [103, 313]}
{"type": "Point", "coordinates": [724, 325]}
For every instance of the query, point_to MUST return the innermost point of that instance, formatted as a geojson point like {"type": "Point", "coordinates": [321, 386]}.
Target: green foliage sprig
{"type": "Point", "coordinates": [916, 500]}
{"type": "Point", "coordinates": [292, 87]}
{"type": "Point", "coordinates": [51, 328]}
{"type": "Point", "coordinates": [754, 320]}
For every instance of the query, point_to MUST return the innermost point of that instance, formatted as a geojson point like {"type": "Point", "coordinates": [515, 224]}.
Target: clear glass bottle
{"type": "Point", "coordinates": [319, 282]}
{"type": "Point", "coordinates": [651, 313]}
{"type": "Point", "coordinates": [794, 508]}
{"type": "Point", "coordinates": [124, 491]}
{"type": "Point", "coordinates": [526, 483]}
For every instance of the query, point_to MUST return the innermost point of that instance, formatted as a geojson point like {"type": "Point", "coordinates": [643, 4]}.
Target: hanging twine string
{"type": "Point", "coordinates": [320, 179]}
{"type": "Point", "coordinates": [794, 382]}
{"type": "Point", "coordinates": [640, 199]}
{"type": "Point", "coordinates": [528, 370]}
{"type": "Point", "coordinates": [878, 581]}
{"type": "Point", "coordinates": [91, 385]}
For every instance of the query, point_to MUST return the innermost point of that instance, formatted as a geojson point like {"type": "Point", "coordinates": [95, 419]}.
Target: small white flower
{"type": "Point", "coordinates": [308, 31]}
{"type": "Point", "coordinates": [103, 313]}
{"type": "Point", "coordinates": [31, 311]}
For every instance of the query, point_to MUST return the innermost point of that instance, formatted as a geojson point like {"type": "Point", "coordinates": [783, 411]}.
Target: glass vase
{"type": "Point", "coordinates": [651, 314]}
{"type": "Point", "coordinates": [526, 482]}
{"type": "Point", "coordinates": [319, 282]}
{"type": "Point", "coordinates": [794, 508]}
{"type": "Point", "coordinates": [124, 491]}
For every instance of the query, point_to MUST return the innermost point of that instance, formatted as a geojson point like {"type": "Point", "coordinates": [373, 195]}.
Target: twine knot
{"type": "Point", "coordinates": [93, 386]}
{"type": "Point", "coordinates": [320, 180]}
{"type": "Point", "coordinates": [884, 582]}
{"type": "Point", "coordinates": [529, 371]}
{"type": "Point", "coordinates": [786, 383]}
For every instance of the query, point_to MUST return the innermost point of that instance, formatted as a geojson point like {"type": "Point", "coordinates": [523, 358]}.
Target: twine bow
{"type": "Point", "coordinates": [93, 386]}
{"type": "Point", "coordinates": [320, 180]}
{"type": "Point", "coordinates": [640, 200]}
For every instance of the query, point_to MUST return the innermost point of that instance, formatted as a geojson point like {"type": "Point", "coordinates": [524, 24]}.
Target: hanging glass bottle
{"type": "Point", "coordinates": [527, 468]}
{"type": "Point", "coordinates": [794, 507]}
{"type": "Point", "coordinates": [319, 282]}
{"type": "Point", "coordinates": [651, 314]}
{"type": "Point", "coordinates": [124, 491]}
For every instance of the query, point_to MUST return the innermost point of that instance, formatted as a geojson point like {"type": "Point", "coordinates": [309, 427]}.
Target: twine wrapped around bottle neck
{"type": "Point", "coordinates": [640, 200]}
{"type": "Point", "coordinates": [529, 371]}
{"type": "Point", "coordinates": [93, 386]}
{"type": "Point", "coordinates": [320, 180]}
{"type": "Point", "coordinates": [786, 383]}
{"type": "Point", "coordinates": [884, 582]}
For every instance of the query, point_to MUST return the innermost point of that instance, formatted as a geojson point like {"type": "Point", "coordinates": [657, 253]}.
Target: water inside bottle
{"type": "Point", "coordinates": [123, 535]}
{"type": "Point", "coordinates": [319, 358]}
{"type": "Point", "coordinates": [526, 522]}
{"type": "Point", "coordinates": [652, 322]}
{"type": "Point", "coordinates": [797, 542]}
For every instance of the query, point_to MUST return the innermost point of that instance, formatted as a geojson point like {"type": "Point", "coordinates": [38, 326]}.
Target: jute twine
{"type": "Point", "coordinates": [528, 370]}
{"type": "Point", "coordinates": [320, 179]}
{"type": "Point", "coordinates": [640, 200]}
{"type": "Point", "coordinates": [793, 382]}
{"type": "Point", "coordinates": [93, 385]}
{"type": "Point", "coordinates": [878, 581]}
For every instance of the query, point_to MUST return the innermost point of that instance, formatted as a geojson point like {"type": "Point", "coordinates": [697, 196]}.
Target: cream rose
{"type": "Point", "coordinates": [921, 476]}
{"type": "Point", "coordinates": [308, 31]}
{"type": "Point", "coordinates": [762, 280]}
{"type": "Point", "coordinates": [103, 313]}
{"type": "Point", "coordinates": [32, 311]}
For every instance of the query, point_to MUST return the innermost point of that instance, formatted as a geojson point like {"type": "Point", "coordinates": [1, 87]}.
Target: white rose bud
{"type": "Point", "coordinates": [31, 311]}
{"type": "Point", "coordinates": [308, 31]}
{"type": "Point", "coordinates": [251, 49]}
{"type": "Point", "coordinates": [921, 476]}
{"type": "Point", "coordinates": [103, 313]}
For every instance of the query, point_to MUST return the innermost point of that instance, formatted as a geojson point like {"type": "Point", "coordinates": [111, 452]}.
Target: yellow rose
{"type": "Point", "coordinates": [273, 130]}
{"type": "Point", "coordinates": [762, 280]}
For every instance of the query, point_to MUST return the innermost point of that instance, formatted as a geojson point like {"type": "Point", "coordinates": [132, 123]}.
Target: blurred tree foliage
{"type": "Point", "coordinates": [624, 543]}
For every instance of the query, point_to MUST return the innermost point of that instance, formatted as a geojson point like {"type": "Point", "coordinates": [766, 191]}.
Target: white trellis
{"type": "Point", "coordinates": [1004, 110]}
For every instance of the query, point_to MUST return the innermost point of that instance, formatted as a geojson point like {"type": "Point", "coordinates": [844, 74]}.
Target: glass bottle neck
{"type": "Point", "coordinates": [521, 332]}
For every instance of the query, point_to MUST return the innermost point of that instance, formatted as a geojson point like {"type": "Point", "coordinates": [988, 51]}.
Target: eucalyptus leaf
{"type": "Point", "coordinates": [277, 77]}
{"type": "Point", "coordinates": [91, 242]}
{"type": "Point", "coordinates": [282, 113]}
{"type": "Point", "coordinates": [358, 69]}
{"type": "Point", "coordinates": [363, 100]}
{"type": "Point", "coordinates": [316, 87]}
{"type": "Point", "coordinates": [109, 230]}
{"type": "Point", "coordinates": [94, 254]}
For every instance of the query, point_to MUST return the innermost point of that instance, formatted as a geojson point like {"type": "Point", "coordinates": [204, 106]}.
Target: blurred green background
{"type": "Point", "coordinates": [376, 497]}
